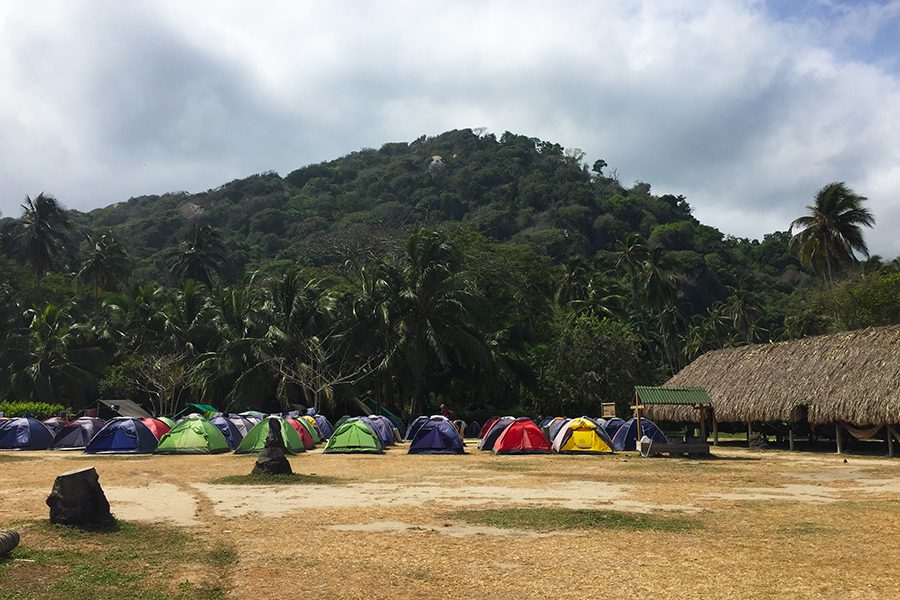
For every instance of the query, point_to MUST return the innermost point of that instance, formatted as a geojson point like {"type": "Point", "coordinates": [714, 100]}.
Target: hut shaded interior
{"type": "Point", "coordinates": [850, 377]}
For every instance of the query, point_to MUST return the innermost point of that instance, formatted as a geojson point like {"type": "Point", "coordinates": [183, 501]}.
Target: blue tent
{"type": "Point", "coordinates": [123, 435]}
{"type": "Point", "coordinates": [437, 436]}
{"type": "Point", "coordinates": [77, 434]}
{"type": "Point", "coordinates": [487, 442]}
{"type": "Point", "coordinates": [611, 426]}
{"type": "Point", "coordinates": [24, 433]}
{"type": "Point", "coordinates": [472, 429]}
{"type": "Point", "coordinates": [414, 427]}
{"type": "Point", "coordinates": [552, 428]}
{"type": "Point", "coordinates": [231, 432]}
{"type": "Point", "coordinates": [325, 426]}
{"type": "Point", "coordinates": [626, 436]}
{"type": "Point", "coordinates": [382, 427]}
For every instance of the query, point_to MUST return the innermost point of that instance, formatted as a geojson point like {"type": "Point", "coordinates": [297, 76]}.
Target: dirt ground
{"type": "Point", "coordinates": [774, 524]}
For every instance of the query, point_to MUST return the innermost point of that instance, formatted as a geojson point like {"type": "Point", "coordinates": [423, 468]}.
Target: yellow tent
{"type": "Point", "coordinates": [582, 435]}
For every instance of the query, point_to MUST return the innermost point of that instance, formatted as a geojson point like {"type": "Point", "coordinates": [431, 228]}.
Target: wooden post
{"type": "Point", "coordinates": [715, 431]}
{"type": "Point", "coordinates": [890, 440]}
{"type": "Point", "coordinates": [790, 438]}
{"type": "Point", "coordinates": [837, 438]}
{"type": "Point", "coordinates": [703, 425]}
{"type": "Point", "coordinates": [749, 432]}
{"type": "Point", "coordinates": [640, 430]}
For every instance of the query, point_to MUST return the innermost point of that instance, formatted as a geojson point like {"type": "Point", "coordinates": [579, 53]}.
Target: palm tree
{"type": "Point", "coordinates": [44, 233]}
{"type": "Point", "coordinates": [438, 311]}
{"type": "Point", "coordinates": [106, 264]}
{"type": "Point", "coordinates": [831, 233]}
{"type": "Point", "coordinates": [201, 255]}
{"type": "Point", "coordinates": [56, 362]}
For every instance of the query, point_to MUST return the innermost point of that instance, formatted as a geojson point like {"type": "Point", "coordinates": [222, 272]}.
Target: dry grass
{"type": "Point", "coordinates": [784, 547]}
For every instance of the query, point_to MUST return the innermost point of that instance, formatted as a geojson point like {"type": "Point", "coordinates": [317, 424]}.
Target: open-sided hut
{"type": "Point", "coordinates": [847, 379]}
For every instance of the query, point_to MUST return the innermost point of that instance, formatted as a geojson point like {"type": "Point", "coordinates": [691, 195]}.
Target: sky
{"type": "Point", "coordinates": [746, 108]}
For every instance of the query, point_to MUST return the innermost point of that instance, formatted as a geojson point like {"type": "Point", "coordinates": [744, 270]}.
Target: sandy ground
{"type": "Point", "coordinates": [774, 523]}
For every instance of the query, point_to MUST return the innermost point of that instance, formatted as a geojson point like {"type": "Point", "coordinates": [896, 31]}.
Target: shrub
{"type": "Point", "coordinates": [38, 410]}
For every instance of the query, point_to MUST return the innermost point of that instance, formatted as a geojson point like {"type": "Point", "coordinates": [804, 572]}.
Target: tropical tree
{"type": "Point", "coordinates": [55, 360]}
{"type": "Point", "coordinates": [831, 234]}
{"type": "Point", "coordinates": [43, 237]}
{"type": "Point", "coordinates": [105, 265]}
{"type": "Point", "coordinates": [200, 256]}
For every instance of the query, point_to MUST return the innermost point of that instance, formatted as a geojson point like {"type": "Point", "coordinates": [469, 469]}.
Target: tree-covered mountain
{"type": "Point", "coordinates": [465, 268]}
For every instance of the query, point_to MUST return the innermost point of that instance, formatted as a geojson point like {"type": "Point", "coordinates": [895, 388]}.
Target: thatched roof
{"type": "Point", "coordinates": [852, 376]}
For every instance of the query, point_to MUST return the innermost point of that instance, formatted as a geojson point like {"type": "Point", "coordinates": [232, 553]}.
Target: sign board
{"type": "Point", "coordinates": [607, 409]}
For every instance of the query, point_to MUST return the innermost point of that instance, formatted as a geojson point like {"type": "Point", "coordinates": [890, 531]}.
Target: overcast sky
{"type": "Point", "coordinates": [746, 108]}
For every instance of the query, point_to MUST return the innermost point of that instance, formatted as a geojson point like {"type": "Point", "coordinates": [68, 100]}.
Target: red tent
{"type": "Point", "coordinates": [302, 431]}
{"type": "Point", "coordinates": [522, 436]}
{"type": "Point", "coordinates": [157, 427]}
{"type": "Point", "coordinates": [487, 426]}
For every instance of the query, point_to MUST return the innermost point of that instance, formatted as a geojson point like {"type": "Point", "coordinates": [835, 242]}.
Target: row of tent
{"type": "Point", "coordinates": [193, 434]}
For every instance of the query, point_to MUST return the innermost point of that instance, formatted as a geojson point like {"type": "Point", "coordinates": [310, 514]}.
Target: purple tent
{"type": "Point", "coordinates": [123, 435]}
{"type": "Point", "coordinates": [626, 436]}
{"type": "Point", "coordinates": [231, 431]}
{"type": "Point", "coordinates": [611, 426]}
{"type": "Point", "coordinates": [437, 436]}
{"type": "Point", "coordinates": [77, 434]}
{"type": "Point", "coordinates": [381, 427]}
{"type": "Point", "coordinates": [24, 433]}
{"type": "Point", "coordinates": [325, 426]}
{"type": "Point", "coordinates": [413, 428]}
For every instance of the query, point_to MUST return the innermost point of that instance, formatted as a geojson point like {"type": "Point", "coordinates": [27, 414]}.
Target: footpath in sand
{"type": "Point", "coordinates": [772, 523]}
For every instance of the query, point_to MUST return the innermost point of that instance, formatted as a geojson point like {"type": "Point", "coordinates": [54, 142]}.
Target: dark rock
{"type": "Point", "coordinates": [8, 541]}
{"type": "Point", "coordinates": [272, 460]}
{"type": "Point", "coordinates": [77, 499]}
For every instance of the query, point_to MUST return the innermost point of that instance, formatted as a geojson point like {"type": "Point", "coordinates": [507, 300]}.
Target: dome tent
{"type": "Point", "coordinates": [232, 432]}
{"type": "Point", "coordinates": [582, 436]}
{"type": "Point", "coordinates": [352, 437]}
{"type": "Point", "coordinates": [487, 442]}
{"type": "Point", "coordinates": [55, 424]}
{"type": "Point", "coordinates": [255, 440]}
{"type": "Point", "coordinates": [77, 434]}
{"type": "Point", "coordinates": [302, 430]}
{"type": "Point", "coordinates": [24, 433]}
{"type": "Point", "coordinates": [612, 426]}
{"type": "Point", "coordinates": [437, 436]}
{"type": "Point", "coordinates": [159, 428]}
{"type": "Point", "coordinates": [381, 426]}
{"type": "Point", "coordinates": [123, 435]}
{"type": "Point", "coordinates": [170, 422]}
{"type": "Point", "coordinates": [193, 436]}
{"type": "Point", "coordinates": [414, 427]}
{"type": "Point", "coordinates": [472, 429]}
{"type": "Point", "coordinates": [325, 426]}
{"type": "Point", "coordinates": [522, 436]}
{"type": "Point", "coordinates": [626, 436]}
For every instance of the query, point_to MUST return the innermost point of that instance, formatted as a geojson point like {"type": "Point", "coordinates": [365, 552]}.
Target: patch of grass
{"type": "Point", "coordinates": [221, 556]}
{"type": "Point", "coordinates": [13, 458]}
{"type": "Point", "coordinates": [125, 561]}
{"type": "Point", "coordinates": [551, 519]}
{"type": "Point", "coordinates": [291, 479]}
{"type": "Point", "coordinates": [806, 529]}
{"type": "Point", "coordinates": [507, 466]}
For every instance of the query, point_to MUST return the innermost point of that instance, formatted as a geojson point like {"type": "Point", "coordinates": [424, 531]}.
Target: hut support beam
{"type": "Point", "coordinates": [890, 440]}
{"type": "Point", "coordinates": [838, 438]}
{"type": "Point", "coordinates": [749, 432]}
{"type": "Point", "coordinates": [791, 438]}
{"type": "Point", "coordinates": [715, 432]}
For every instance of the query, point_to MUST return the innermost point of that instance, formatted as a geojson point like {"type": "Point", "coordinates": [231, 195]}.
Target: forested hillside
{"type": "Point", "coordinates": [479, 271]}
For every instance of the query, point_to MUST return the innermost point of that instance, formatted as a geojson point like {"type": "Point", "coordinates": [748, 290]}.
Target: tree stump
{"type": "Point", "coordinates": [77, 499]}
{"type": "Point", "coordinates": [272, 460]}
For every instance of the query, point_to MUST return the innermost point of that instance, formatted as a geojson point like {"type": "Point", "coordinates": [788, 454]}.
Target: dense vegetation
{"type": "Point", "coordinates": [465, 269]}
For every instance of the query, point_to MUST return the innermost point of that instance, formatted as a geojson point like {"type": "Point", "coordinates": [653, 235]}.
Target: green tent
{"type": "Point", "coordinates": [354, 436]}
{"type": "Point", "coordinates": [167, 421]}
{"type": "Point", "coordinates": [193, 436]}
{"type": "Point", "coordinates": [255, 440]}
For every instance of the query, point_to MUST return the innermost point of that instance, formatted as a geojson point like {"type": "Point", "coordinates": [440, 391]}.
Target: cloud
{"type": "Point", "coordinates": [744, 111]}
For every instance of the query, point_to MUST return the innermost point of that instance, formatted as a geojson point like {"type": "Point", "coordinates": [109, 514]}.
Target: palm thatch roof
{"type": "Point", "coordinates": [852, 376]}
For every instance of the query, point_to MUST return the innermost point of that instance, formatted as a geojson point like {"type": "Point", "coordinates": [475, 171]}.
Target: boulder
{"type": "Point", "coordinates": [77, 499]}
{"type": "Point", "coordinates": [271, 460]}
